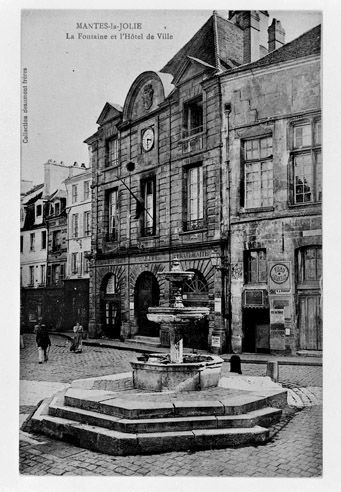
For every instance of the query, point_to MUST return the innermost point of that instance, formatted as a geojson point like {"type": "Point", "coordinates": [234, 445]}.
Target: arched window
{"type": "Point", "coordinates": [309, 264]}
{"type": "Point", "coordinates": [111, 285]}
{"type": "Point", "coordinates": [195, 291]}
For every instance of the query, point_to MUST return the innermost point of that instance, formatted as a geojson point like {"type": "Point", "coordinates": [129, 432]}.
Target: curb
{"type": "Point", "coordinates": [226, 358]}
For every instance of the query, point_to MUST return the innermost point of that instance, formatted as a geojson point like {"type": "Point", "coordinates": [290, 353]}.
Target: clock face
{"type": "Point", "coordinates": [148, 139]}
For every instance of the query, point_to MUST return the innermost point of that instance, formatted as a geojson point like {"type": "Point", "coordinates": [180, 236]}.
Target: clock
{"type": "Point", "coordinates": [148, 139]}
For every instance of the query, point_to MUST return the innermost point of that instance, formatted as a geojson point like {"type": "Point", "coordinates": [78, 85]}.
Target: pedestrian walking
{"type": "Point", "coordinates": [77, 342]}
{"type": "Point", "coordinates": [43, 342]}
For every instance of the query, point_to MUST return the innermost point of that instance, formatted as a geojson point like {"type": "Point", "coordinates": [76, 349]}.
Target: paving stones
{"type": "Point", "coordinates": [294, 451]}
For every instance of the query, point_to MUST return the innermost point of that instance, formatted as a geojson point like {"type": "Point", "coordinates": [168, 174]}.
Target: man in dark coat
{"type": "Point", "coordinates": [43, 343]}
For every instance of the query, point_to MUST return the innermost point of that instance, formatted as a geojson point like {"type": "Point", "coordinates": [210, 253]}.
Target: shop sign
{"type": "Point", "coordinates": [279, 277]}
{"type": "Point", "coordinates": [279, 273]}
{"type": "Point", "coordinates": [215, 341]}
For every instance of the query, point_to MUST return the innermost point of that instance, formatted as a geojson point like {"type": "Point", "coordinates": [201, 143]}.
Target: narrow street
{"type": "Point", "coordinates": [294, 451]}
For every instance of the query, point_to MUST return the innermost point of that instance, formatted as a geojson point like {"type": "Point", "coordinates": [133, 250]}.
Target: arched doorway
{"type": "Point", "coordinates": [195, 293]}
{"type": "Point", "coordinates": [147, 294]}
{"type": "Point", "coordinates": [111, 307]}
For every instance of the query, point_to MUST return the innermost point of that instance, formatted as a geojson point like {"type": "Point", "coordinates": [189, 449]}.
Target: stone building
{"type": "Point", "coordinates": [76, 282]}
{"type": "Point", "coordinates": [43, 247]}
{"type": "Point", "coordinates": [33, 254]}
{"type": "Point", "coordinates": [166, 179]}
{"type": "Point", "coordinates": [273, 151]}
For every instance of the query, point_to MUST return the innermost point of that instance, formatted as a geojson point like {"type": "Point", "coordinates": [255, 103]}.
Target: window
{"type": "Point", "coordinates": [258, 174]}
{"type": "Point", "coordinates": [87, 226]}
{"type": "Point", "coordinates": [193, 117]}
{"type": "Point", "coordinates": [21, 277]}
{"type": "Point", "coordinates": [194, 199]}
{"type": "Point", "coordinates": [86, 262]}
{"type": "Point", "coordinates": [86, 190]}
{"type": "Point", "coordinates": [74, 225]}
{"type": "Point", "coordinates": [148, 195]}
{"type": "Point", "coordinates": [32, 241]}
{"type": "Point", "coordinates": [111, 152]}
{"type": "Point", "coordinates": [255, 266]}
{"type": "Point", "coordinates": [307, 162]}
{"type": "Point", "coordinates": [38, 211]}
{"type": "Point", "coordinates": [21, 244]}
{"type": "Point", "coordinates": [42, 274]}
{"type": "Point", "coordinates": [309, 264]}
{"type": "Point", "coordinates": [112, 215]}
{"type": "Point", "coordinates": [74, 264]}
{"type": "Point", "coordinates": [56, 241]}
{"type": "Point", "coordinates": [31, 275]}
{"type": "Point", "coordinates": [74, 193]}
{"type": "Point", "coordinates": [57, 209]}
{"type": "Point", "coordinates": [43, 239]}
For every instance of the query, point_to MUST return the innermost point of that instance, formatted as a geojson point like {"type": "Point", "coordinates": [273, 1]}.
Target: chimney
{"type": "Point", "coordinates": [254, 24]}
{"type": "Point", "coordinates": [276, 35]}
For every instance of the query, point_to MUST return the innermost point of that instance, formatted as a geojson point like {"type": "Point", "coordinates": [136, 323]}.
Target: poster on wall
{"type": "Point", "coordinates": [279, 277]}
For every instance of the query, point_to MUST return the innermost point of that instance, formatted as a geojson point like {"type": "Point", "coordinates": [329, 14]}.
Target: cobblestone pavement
{"type": "Point", "coordinates": [294, 451]}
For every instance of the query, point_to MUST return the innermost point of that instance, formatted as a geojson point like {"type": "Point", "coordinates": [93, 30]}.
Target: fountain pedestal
{"type": "Point", "coordinates": [176, 371]}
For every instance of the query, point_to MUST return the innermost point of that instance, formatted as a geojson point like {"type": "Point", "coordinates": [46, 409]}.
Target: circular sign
{"type": "Point", "coordinates": [279, 273]}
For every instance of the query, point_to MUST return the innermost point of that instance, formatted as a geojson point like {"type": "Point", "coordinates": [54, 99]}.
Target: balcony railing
{"type": "Point", "coordinates": [111, 236]}
{"type": "Point", "coordinates": [147, 231]}
{"type": "Point", "coordinates": [192, 140]}
{"type": "Point", "coordinates": [193, 225]}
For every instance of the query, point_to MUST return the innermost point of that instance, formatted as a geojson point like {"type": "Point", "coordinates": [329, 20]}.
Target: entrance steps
{"type": "Point", "coordinates": [137, 422]}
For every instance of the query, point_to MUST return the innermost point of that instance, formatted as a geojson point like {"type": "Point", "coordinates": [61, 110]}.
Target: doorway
{"type": "Point", "coordinates": [111, 307]}
{"type": "Point", "coordinates": [310, 321]}
{"type": "Point", "coordinates": [147, 294]}
{"type": "Point", "coordinates": [256, 330]}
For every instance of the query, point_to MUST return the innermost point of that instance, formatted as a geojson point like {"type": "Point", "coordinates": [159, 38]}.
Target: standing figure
{"type": "Point", "coordinates": [77, 339]}
{"type": "Point", "coordinates": [43, 342]}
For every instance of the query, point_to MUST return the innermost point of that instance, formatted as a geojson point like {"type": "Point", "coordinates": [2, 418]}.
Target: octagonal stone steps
{"type": "Point", "coordinates": [128, 422]}
{"type": "Point", "coordinates": [131, 405]}
{"type": "Point", "coordinates": [262, 417]}
{"type": "Point", "coordinates": [113, 442]}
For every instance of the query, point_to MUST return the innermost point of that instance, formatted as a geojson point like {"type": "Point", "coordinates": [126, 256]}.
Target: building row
{"type": "Point", "coordinates": [215, 160]}
{"type": "Point", "coordinates": [55, 238]}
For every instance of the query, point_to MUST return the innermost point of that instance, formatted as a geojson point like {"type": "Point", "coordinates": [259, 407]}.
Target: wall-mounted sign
{"type": "Point", "coordinates": [215, 341]}
{"type": "Point", "coordinates": [254, 297]}
{"type": "Point", "coordinates": [277, 316]}
{"type": "Point", "coordinates": [217, 304]}
{"type": "Point", "coordinates": [279, 277]}
{"type": "Point", "coordinates": [279, 273]}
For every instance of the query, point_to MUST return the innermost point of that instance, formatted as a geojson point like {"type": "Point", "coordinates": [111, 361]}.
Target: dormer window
{"type": "Point", "coordinates": [193, 117]}
{"type": "Point", "coordinates": [57, 209]}
{"type": "Point", "coordinates": [38, 210]}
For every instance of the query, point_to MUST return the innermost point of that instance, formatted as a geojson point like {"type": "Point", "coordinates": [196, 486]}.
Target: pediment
{"type": "Point", "coordinates": [109, 112]}
{"type": "Point", "coordinates": [192, 67]}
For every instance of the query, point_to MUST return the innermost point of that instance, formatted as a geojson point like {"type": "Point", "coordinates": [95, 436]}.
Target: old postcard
{"type": "Point", "coordinates": [171, 243]}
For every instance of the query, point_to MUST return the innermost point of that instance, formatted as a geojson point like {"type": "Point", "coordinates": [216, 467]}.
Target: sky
{"type": "Point", "coordinates": [70, 80]}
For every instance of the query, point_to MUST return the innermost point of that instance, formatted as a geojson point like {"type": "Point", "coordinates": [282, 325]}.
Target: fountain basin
{"type": "Point", "coordinates": [176, 315]}
{"type": "Point", "coordinates": [155, 372]}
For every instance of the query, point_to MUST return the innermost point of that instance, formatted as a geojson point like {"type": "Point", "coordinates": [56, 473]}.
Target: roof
{"type": "Point", "coordinates": [218, 40]}
{"type": "Point", "coordinates": [34, 189]}
{"type": "Point", "coordinates": [307, 44]}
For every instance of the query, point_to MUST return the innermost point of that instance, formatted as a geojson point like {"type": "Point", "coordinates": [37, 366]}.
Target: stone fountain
{"type": "Point", "coordinates": [176, 371]}
{"type": "Point", "coordinates": [171, 402]}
